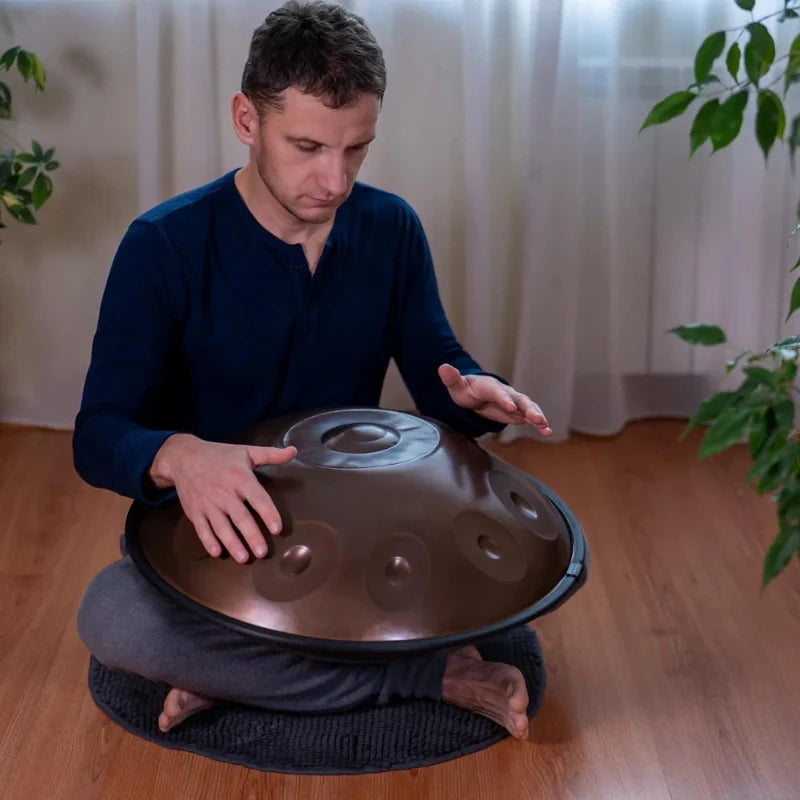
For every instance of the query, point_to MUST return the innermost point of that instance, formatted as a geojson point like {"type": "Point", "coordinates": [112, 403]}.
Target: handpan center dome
{"type": "Point", "coordinates": [360, 438]}
{"type": "Point", "coordinates": [376, 438]}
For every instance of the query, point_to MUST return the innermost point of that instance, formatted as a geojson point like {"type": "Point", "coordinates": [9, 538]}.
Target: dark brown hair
{"type": "Point", "coordinates": [319, 48]}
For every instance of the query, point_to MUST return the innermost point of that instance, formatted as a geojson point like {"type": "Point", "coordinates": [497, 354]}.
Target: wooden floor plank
{"type": "Point", "coordinates": [670, 675]}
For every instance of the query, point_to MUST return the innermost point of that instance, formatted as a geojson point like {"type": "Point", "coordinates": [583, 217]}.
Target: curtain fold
{"type": "Point", "coordinates": [566, 243]}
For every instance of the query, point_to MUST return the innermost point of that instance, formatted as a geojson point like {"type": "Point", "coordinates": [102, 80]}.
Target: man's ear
{"type": "Point", "coordinates": [245, 119]}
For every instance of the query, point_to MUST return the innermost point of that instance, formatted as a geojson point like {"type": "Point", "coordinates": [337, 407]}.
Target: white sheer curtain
{"type": "Point", "coordinates": [565, 243]}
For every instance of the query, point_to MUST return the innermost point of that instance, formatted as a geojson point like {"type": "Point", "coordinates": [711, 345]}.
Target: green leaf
{"type": "Point", "coordinates": [27, 158]}
{"type": "Point", "coordinates": [729, 429]}
{"type": "Point", "coordinates": [770, 119]}
{"type": "Point", "coordinates": [48, 155]}
{"type": "Point", "coordinates": [42, 189]}
{"type": "Point", "coordinates": [794, 138]}
{"type": "Point", "coordinates": [51, 165]}
{"type": "Point", "coordinates": [727, 120]}
{"type": "Point", "coordinates": [37, 149]}
{"type": "Point", "coordinates": [792, 74]}
{"type": "Point", "coordinates": [759, 52]}
{"type": "Point", "coordinates": [789, 501]}
{"type": "Point", "coordinates": [788, 371]}
{"type": "Point", "coordinates": [733, 60]}
{"type": "Point", "coordinates": [711, 408]}
{"type": "Point", "coordinates": [768, 94]}
{"type": "Point", "coordinates": [780, 552]}
{"type": "Point", "coordinates": [5, 171]}
{"type": "Point", "coordinates": [789, 13]}
{"type": "Point", "coordinates": [711, 49]}
{"type": "Point", "coordinates": [794, 302]}
{"type": "Point", "coordinates": [763, 376]}
{"type": "Point", "coordinates": [5, 100]}
{"type": "Point", "coordinates": [701, 127]}
{"type": "Point", "coordinates": [699, 333]}
{"type": "Point", "coordinates": [26, 176]}
{"type": "Point", "coordinates": [668, 108]}
{"type": "Point", "coordinates": [780, 469]}
{"type": "Point", "coordinates": [12, 199]}
{"type": "Point", "coordinates": [37, 72]}
{"type": "Point", "coordinates": [7, 59]}
{"type": "Point", "coordinates": [25, 64]}
{"type": "Point", "coordinates": [789, 341]}
{"type": "Point", "coordinates": [767, 452]}
{"type": "Point", "coordinates": [761, 428]}
{"type": "Point", "coordinates": [747, 5]}
{"type": "Point", "coordinates": [784, 414]}
{"type": "Point", "coordinates": [23, 214]}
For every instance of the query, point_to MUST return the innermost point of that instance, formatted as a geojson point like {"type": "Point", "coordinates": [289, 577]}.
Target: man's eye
{"type": "Point", "coordinates": [307, 148]}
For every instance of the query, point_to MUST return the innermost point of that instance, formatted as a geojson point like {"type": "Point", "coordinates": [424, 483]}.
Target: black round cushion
{"type": "Point", "coordinates": [404, 734]}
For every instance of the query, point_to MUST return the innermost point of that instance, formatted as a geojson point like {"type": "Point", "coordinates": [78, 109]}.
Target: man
{"type": "Point", "coordinates": [283, 286]}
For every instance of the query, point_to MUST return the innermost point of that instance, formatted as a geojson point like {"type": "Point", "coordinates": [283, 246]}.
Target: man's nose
{"type": "Point", "coordinates": [333, 178]}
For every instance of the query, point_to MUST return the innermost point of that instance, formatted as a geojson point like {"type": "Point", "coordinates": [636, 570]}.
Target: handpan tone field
{"type": "Point", "coordinates": [400, 536]}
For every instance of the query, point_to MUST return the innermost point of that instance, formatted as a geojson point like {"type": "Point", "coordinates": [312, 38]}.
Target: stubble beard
{"type": "Point", "coordinates": [318, 220]}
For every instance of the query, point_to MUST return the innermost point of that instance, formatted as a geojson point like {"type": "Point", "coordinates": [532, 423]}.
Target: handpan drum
{"type": "Point", "coordinates": [400, 536]}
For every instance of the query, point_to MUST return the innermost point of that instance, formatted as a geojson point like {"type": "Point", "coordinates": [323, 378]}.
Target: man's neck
{"type": "Point", "coordinates": [272, 216]}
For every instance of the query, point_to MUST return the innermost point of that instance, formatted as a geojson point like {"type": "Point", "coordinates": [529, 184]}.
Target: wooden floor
{"type": "Point", "coordinates": [669, 675]}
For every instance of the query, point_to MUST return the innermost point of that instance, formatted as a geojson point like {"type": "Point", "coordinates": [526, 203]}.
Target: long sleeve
{"type": "Point", "coordinates": [118, 429]}
{"type": "Point", "coordinates": [426, 340]}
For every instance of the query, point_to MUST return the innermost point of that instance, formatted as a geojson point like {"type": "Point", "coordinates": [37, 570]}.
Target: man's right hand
{"type": "Point", "coordinates": [213, 481]}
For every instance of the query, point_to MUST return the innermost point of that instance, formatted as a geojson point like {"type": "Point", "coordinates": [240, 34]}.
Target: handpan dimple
{"type": "Point", "coordinates": [529, 507]}
{"type": "Point", "coordinates": [295, 560]}
{"type": "Point", "coordinates": [360, 438]}
{"type": "Point", "coordinates": [526, 509]}
{"type": "Point", "coordinates": [302, 562]}
{"type": "Point", "coordinates": [398, 571]}
{"type": "Point", "coordinates": [489, 546]}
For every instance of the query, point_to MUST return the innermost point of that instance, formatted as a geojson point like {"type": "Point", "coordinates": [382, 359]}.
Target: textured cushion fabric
{"type": "Point", "coordinates": [405, 734]}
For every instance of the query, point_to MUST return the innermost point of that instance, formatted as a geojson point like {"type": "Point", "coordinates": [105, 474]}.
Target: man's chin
{"type": "Point", "coordinates": [316, 216]}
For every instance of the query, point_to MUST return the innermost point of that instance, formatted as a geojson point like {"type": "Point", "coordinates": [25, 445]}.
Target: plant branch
{"type": "Point", "coordinates": [742, 28]}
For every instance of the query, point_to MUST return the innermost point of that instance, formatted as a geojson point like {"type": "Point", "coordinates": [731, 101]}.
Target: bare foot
{"type": "Point", "coordinates": [180, 704]}
{"type": "Point", "coordinates": [495, 690]}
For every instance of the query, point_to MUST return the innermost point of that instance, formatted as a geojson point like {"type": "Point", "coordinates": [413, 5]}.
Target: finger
{"type": "Point", "coordinates": [494, 392]}
{"type": "Point", "coordinates": [262, 503]}
{"type": "Point", "coordinates": [494, 412]}
{"type": "Point", "coordinates": [271, 455]}
{"type": "Point", "coordinates": [450, 376]}
{"type": "Point", "coordinates": [223, 530]}
{"type": "Point", "coordinates": [241, 517]}
{"type": "Point", "coordinates": [206, 536]}
{"type": "Point", "coordinates": [530, 410]}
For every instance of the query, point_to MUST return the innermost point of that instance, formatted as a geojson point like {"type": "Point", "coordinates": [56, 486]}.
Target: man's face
{"type": "Point", "coordinates": [308, 155]}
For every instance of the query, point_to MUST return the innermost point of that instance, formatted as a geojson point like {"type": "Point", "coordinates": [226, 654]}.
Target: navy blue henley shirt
{"type": "Point", "coordinates": [209, 323]}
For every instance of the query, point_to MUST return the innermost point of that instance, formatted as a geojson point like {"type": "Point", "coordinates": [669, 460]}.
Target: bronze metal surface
{"type": "Point", "coordinates": [399, 534]}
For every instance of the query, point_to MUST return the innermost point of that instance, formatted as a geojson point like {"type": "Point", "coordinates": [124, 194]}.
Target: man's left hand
{"type": "Point", "coordinates": [492, 399]}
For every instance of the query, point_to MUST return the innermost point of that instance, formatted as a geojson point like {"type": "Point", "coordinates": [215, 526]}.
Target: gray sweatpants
{"type": "Point", "coordinates": [130, 625]}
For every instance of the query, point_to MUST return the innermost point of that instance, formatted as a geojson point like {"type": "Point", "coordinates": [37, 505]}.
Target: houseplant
{"type": "Point", "coordinates": [24, 182]}
{"type": "Point", "coordinates": [761, 410]}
